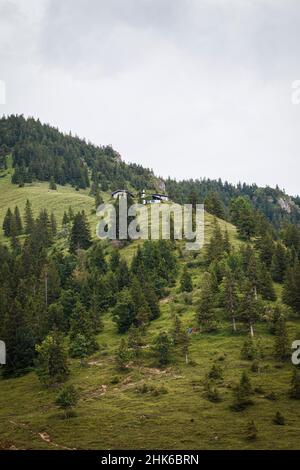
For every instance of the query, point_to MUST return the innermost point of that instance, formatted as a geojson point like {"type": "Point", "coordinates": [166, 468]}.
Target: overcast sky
{"type": "Point", "coordinates": [190, 88]}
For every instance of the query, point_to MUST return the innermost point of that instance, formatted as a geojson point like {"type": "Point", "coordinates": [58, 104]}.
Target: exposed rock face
{"type": "Point", "coordinates": [160, 185]}
{"type": "Point", "coordinates": [285, 204]}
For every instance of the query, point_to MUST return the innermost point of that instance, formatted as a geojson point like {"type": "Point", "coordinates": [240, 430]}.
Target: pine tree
{"type": "Point", "coordinates": [135, 341]}
{"type": "Point", "coordinates": [279, 263]}
{"type": "Point", "coordinates": [67, 399]}
{"type": "Point", "coordinates": [53, 225]}
{"type": "Point", "coordinates": [7, 223]}
{"type": "Point", "coordinates": [242, 393]}
{"type": "Point", "coordinates": [52, 184]}
{"type": "Point", "coordinates": [18, 221]}
{"type": "Point", "coordinates": [162, 348]}
{"type": "Point", "coordinates": [52, 367]}
{"type": "Point", "coordinates": [124, 313]}
{"type": "Point", "coordinates": [122, 355]}
{"type": "Point", "coordinates": [186, 281]}
{"type": "Point", "coordinates": [80, 237]}
{"type": "Point", "coordinates": [215, 247]}
{"type": "Point", "coordinates": [282, 344]}
{"type": "Point", "coordinates": [98, 199]}
{"type": "Point", "coordinates": [291, 288]}
{"type": "Point", "coordinates": [65, 219]}
{"type": "Point", "coordinates": [249, 350]}
{"type": "Point", "coordinates": [229, 296]}
{"type": "Point", "coordinates": [19, 339]}
{"type": "Point", "coordinates": [206, 313]}
{"type": "Point", "coordinates": [295, 385]}
{"type": "Point", "coordinates": [266, 286]}
{"type": "Point", "coordinates": [82, 324]}
{"type": "Point", "coordinates": [214, 205]}
{"type": "Point", "coordinates": [28, 217]}
{"type": "Point", "coordinates": [279, 419]}
{"type": "Point", "coordinates": [248, 306]}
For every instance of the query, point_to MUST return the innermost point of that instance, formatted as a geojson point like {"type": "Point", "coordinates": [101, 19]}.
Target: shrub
{"type": "Point", "coordinates": [279, 419]}
{"type": "Point", "coordinates": [67, 399]}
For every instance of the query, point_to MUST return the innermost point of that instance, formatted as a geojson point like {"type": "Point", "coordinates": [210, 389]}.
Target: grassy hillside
{"type": "Point", "coordinates": [112, 412]}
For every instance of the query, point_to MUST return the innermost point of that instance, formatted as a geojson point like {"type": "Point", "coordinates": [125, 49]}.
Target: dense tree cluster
{"type": "Point", "coordinates": [41, 152]}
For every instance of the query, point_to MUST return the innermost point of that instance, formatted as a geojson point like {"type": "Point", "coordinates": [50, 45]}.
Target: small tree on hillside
{"type": "Point", "coordinates": [295, 385]}
{"type": "Point", "coordinates": [67, 399]}
{"type": "Point", "coordinates": [186, 283]}
{"type": "Point", "coordinates": [52, 184]}
{"type": "Point", "coordinates": [52, 367]}
{"type": "Point", "coordinates": [282, 345]}
{"type": "Point", "coordinates": [162, 347]}
{"type": "Point", "coordinates": [206, 314]}
{"type": "Point", "coordinates": [122, 355]}
{"type": "Point", "coordinates": [242, 393]}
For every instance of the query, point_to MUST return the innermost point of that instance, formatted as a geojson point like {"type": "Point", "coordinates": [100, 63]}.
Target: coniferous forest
{"type": "Point", "coordinates": [141, 343]}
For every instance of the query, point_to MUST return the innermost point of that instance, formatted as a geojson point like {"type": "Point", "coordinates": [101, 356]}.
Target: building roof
{"type": "Point", "coordinates": [122, 191]}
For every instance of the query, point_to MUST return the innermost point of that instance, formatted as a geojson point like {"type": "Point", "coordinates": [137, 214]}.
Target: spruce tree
{"type": "Point", "coordinates": [279, 263]}
{"type": "Point", "coordinates": [282, 344]}
{"type": "Point", "coordinates": [53, 225]}
{"type": "Point", "coordinates": [98, 199]}
{"type": "Point", "coordinates": [7, 223]}
{"type": "Point", "coordinates": [186, 283]}
{"type": "Point", "coordinates": [80, 237]}
{"type": "Point", "coordinates": [28, 217]}
{"type": "Point", "coordinates": [67, 399]}
{"type": "Point", "coordinates": [229, 297]}
{"type": "Point", "coordinates": [266, 286]}
{"type": "Point", "coordinates": [52, 366]}
{"type": "Point", "coordinates": [242, 393]}
{"type": "Point", "coordinates": [162, 348]}
{"type": "Point", "coordinates": [18, 221]}
{"type": "Point", "coordinates": [205, 311]}
{"type": "Point", "coordinates": [52, 184]}
{"type": "Point", "coordinates": [291, 288]}
{"type": "Point", "coordinates": [248, 309]}
{"type": "Point", "coordinates": [295, 385]}
{"type": "Point", "coordinates": [124, 313]}
{"type": "Point", "coordinates": [122, 356]}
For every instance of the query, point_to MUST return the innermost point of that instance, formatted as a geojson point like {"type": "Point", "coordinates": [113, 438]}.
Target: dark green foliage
{"type": "Point", "coordinates": [124, 313]}
{"type": "Point", "coordinates": [7, 223]}
{"type": "Point", "coordinates": [229, 297]}
{"type": "Point", "coordinates": [282, 346]}
{"type": "Point", "coordinates": [279, 419]}
{"type": "Point", "coordinates": [18, 221]}
{"type": "Point", "coordinates": [67, 399]}
{"type": "Point", "coordinates": [214, 205]}
{"type": "Point", "coordinates": [279, 262]}
{"type": "Point", "coordinates": [28, 217]}
{"type": "Point", "coordinates": [216, 372]}
{"type": "Point", "coordinates": [80, 237]}
{"type": "Point", "coordinates": [186, 283]}
{"type": "Point", "coordinates": [242, 393]}
{"type": "Point", "coordinates": [295, 385]}
{"type": "Point", "coordinates": [52, 367]}
{"type": "Point", "coordinates": [162, 347]}
{"type": "Point", "coordinates": [19, 340]}
{"type": "Point", "coordinates": [211, 392]}
{"type": "Point", "coordinates": [82, 325]}
{"type": "Point", "coordinates": [291, 288]}
{"type": "Point", "coordinates": [135, 340]}
{"type": "Point", "coordinates": [205, 312]}
{"type": "Point", "coordinates": [122, 356]}
{"type": "Point", "coordinates": [242, 215]}
{"type": "Point", "coordinates": [265, 286]}
{"type": "Point", "coordinates": [249, 350]}
{"type": "Point", "coordinates": [52, 184]}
